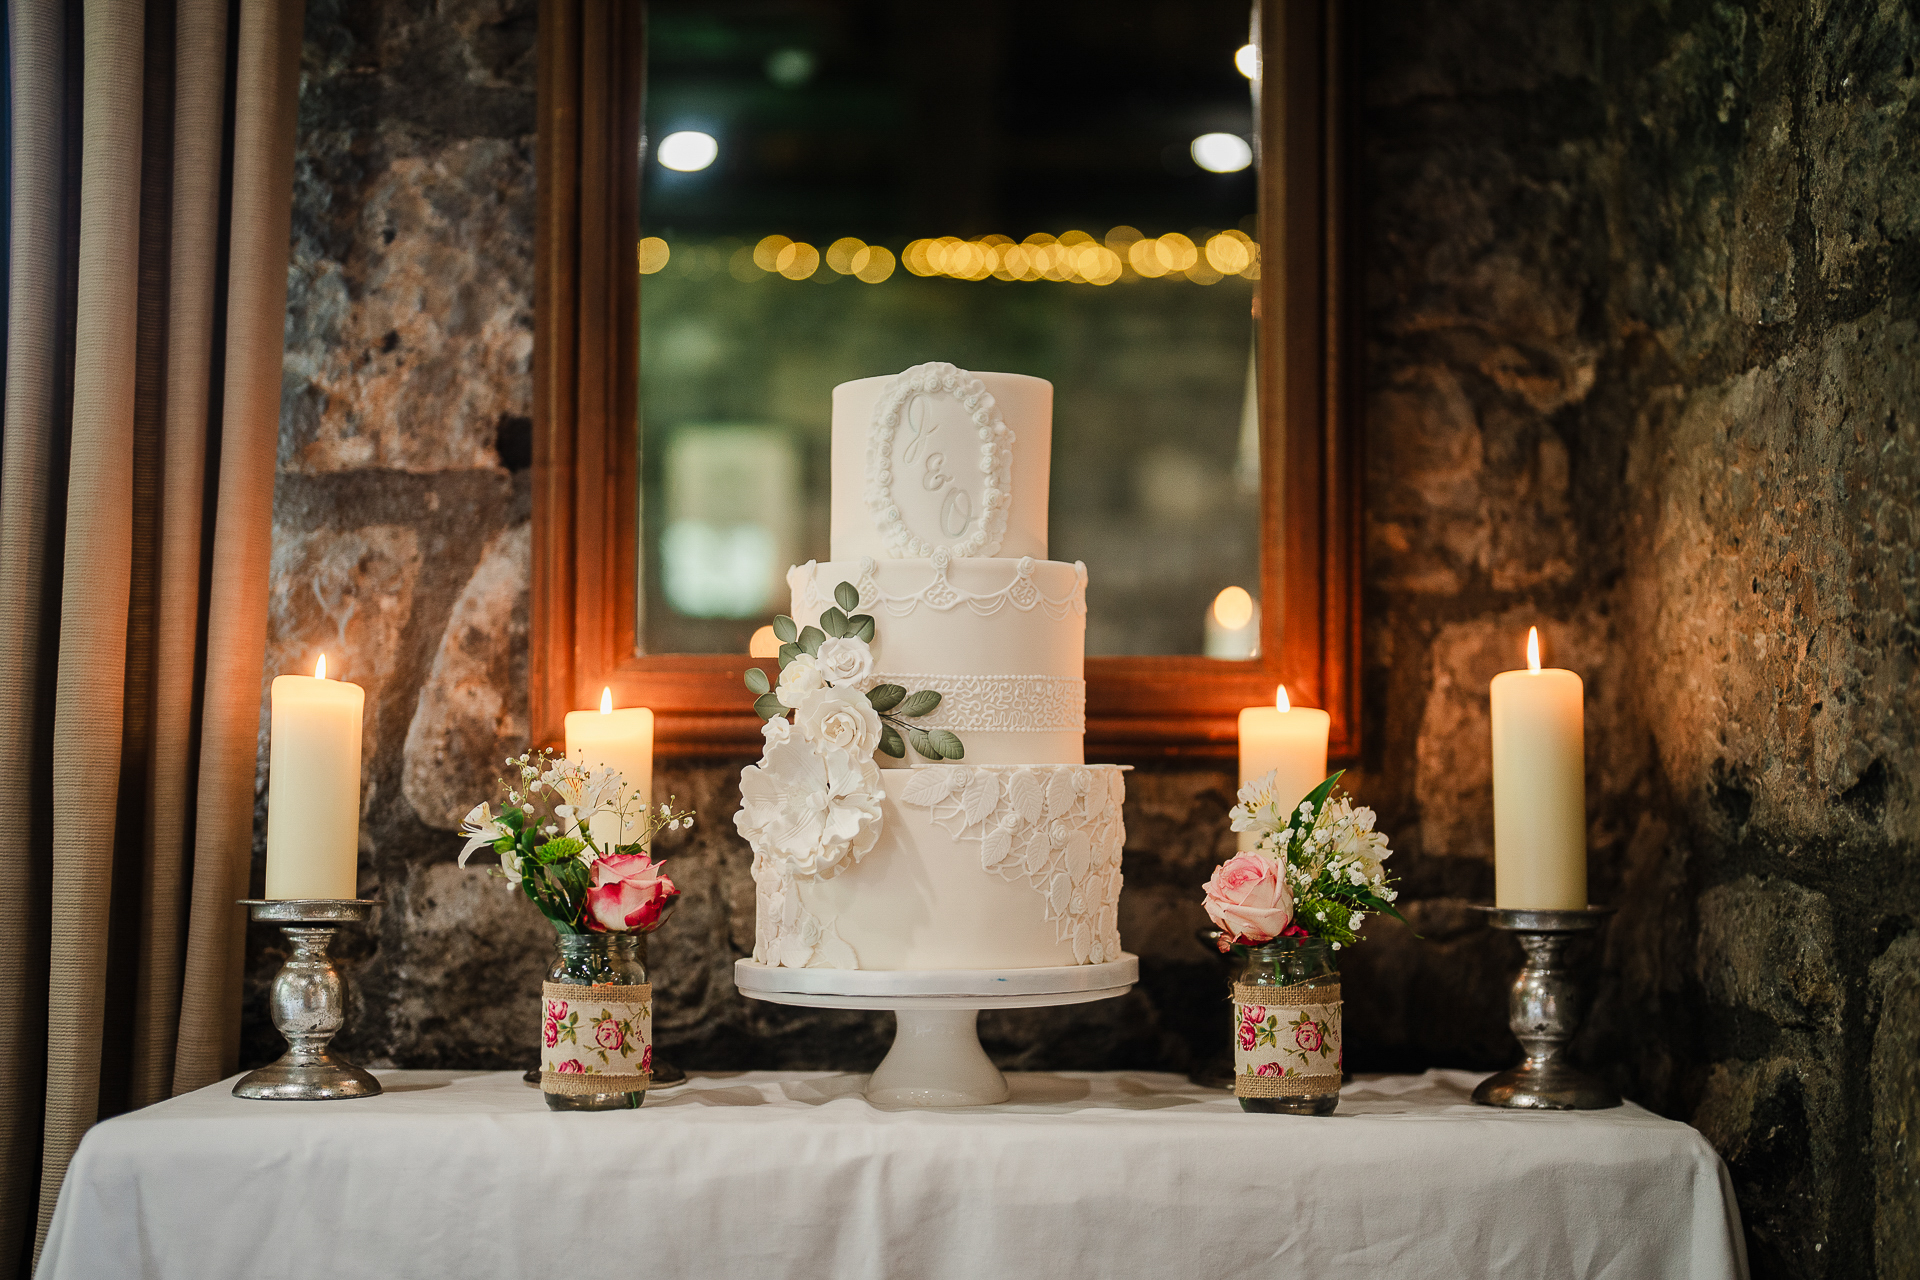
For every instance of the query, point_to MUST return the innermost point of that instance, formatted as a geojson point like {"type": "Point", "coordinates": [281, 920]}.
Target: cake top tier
{"type": "Point", "coordinates": [937, 457]}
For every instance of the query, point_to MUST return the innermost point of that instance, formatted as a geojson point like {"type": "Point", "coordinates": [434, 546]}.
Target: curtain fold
{"type": "Point", "coordinates": [152, 182]}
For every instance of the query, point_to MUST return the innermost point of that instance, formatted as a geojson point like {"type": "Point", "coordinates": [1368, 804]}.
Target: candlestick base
{"type": "Point", "coordinates": [309, 1006]}
{"type": "Point", "coordinates": [1544, 1010]}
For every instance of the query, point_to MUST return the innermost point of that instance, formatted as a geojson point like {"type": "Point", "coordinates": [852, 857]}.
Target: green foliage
{"type": "Point", "coordinates": [890, 743]}
{"type": "Point", "coordinates": [810, 641]}
{"type": "Point", "coordinates": [769, 707]}
{"type": "Point", "coordinates": [923, 743]}
{"type": "Point", "coordinates": [784, 628]}
{"type": "Point", "coordinates": [757, 680]}
{"type": "Point", "coordinates": [788, 652]}
{"type": "Point", "coordinates": [847, 596]}
{"type": "Point", "coordinates": [946, 743]}
{"type": "Point", "coordinates": [885, 697]}
{"type": "Point", "coordinates": [920, 704]}
{"type": "Point", "coordinates": [861, 625]}
{"type": "Point", "coordinates": [834, 623]}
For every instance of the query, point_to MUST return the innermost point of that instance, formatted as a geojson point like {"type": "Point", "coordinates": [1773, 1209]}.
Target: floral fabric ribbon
{"type": "Point", "coordinates": [1286, 1041]}
{"type": "Point", "coordinates": [595, 1039]}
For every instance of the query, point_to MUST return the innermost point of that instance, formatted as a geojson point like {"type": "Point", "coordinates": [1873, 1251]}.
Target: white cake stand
{"type": "Point", "coordinates": [936, 1059]}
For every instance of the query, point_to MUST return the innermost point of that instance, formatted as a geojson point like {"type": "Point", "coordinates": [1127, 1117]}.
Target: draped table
{"type": "Point", "coordinates": [764, 1174]}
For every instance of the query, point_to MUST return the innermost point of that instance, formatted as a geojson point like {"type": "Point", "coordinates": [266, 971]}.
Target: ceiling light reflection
{"type": "Point", "coordinates": [689, 150]}
{"type": "Point", "coordinates": [1222, 152]}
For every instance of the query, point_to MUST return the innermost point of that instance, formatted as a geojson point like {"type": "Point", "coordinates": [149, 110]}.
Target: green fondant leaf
{"type": "Point", "coordinates": [923, 743]}
{"type": "Point", "coordinates": [768, 706]}
{"type": "Point", "coordinates": [847, 596]}
{"type": "Point", "coordinates": [947, 744]}
{"type": "Point", "coordinates": [834, 623]}
{"type": "Point", "coordinates": [757, 680]}
{"type": "Point", "coordinates": [885, 697]}
{"type": "Point", "coordinates": [788, 652]}
{"type": "Point", "coordinates": [810, 640]}
{"type": "Point", "coordinates": [920, 704]}
{"type": "Point", "coordinates": [861, 625]}
{"type": "Point", "coordinates": [890, 743]}
{"type": "Point", "coordinates": [783, 628]}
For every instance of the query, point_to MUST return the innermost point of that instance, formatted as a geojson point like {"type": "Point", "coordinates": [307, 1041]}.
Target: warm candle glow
{"type": "Point", "coordinates": [1280, 698]}
{"type": "Point", "coordinates": [764, 644]}
{"type": "Point", "coordinates": [320, 668]}
{"type": "Point", "coordinates": [1233, 608]}
{"type": "Point", "coordinates": [606, 701]}
{"type": "Point", "coordinates": [1533, 648]}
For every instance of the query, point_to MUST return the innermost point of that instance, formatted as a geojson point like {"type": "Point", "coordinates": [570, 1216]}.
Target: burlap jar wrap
{"type": "Point", "coordinates": [1286, 1041]}
{"type": "Point", "coordinates": [595, 1039]}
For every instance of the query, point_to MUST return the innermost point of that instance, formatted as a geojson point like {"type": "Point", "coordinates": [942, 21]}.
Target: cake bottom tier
{"type": "Point", "coordinates": [1001, 867]}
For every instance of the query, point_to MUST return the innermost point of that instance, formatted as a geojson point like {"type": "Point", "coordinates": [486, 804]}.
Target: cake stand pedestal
{"type": "Point", "coordinates": [936, 1059]}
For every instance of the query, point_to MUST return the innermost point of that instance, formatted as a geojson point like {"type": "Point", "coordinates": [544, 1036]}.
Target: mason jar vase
{"type": "Point", "coordinates": [1307, 968]}
{"type": "Point", "coordinates": [596, 959]}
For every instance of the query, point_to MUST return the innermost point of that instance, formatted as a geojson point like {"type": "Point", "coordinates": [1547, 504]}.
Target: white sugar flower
{"type": "Point", "coordinates": [813, 808]}
{"type": "Point", "coordinates": [777, 731]}
{"type": "Point", "coordinates": [840, 718]}
{"type": "Point", "coordinates": [799, 678]}
{"type": "Point", "coordinates": [845, 661]}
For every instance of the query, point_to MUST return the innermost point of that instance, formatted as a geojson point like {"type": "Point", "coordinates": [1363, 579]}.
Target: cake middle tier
{"type": "Point", "coordinates": [1002, 640]}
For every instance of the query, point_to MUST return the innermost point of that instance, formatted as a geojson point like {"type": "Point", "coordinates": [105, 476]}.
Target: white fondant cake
{"type": "Point", "coordinates": [1007, 856]}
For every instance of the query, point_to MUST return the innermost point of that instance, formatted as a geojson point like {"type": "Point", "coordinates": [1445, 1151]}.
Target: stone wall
{"type": "Point", "coordinates": [1640, 298]}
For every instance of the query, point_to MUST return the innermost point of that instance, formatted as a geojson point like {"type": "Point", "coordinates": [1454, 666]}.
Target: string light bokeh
{"type": "Point", "coordinates": [1073, 257]}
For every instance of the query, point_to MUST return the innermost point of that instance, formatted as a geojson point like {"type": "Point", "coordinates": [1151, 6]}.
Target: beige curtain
{"type": "Point", "coordinates": [151, 188]}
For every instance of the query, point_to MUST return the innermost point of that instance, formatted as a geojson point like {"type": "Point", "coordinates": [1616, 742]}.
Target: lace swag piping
{"type": "Point", "coordinates": [941, 595]}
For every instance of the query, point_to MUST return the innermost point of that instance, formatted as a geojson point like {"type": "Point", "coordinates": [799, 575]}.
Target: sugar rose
{"type": "Point", "coordinates": [799, 678]}
{"type": "Point", "coordinates": [845, 660]}
{"type": "Point", "coordinates": [1249, 900]}
{"type": "Point", "coordinates": [840, 718]}
{"type": "Point", "coordinates": [629, 893]}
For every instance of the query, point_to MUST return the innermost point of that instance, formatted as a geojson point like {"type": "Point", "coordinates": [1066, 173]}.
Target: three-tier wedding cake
{"type": "Point", "coordinates": [988, 843]}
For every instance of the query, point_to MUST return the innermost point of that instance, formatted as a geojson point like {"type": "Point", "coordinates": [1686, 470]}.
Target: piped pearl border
{"type": "Point", "coordinates": [996, 461]}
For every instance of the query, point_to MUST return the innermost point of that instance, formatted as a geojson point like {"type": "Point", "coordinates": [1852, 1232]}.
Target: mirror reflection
{"type": "Point", "coordinates": [836, 190]}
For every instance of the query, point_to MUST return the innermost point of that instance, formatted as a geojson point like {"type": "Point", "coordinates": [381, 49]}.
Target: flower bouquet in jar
{"type": "Point", "coordinates": [1287, 907]}
{"type": "Point", "coordinates": [579, 844]}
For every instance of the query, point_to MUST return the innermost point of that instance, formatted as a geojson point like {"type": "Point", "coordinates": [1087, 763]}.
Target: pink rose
{"type": "Point", "coordinates": [1250, 1021]}
{"type": "Point", "coordinates": [556, 1010]}
{"type": "Point", "coordinates": [572, 1067]}
{"type": "Point", "coordinates": [1248, 900]}
{"type": "Point", "coordinates": [628, 892]}
{"type": "Point", "coordinates": [1269, 1069]}
{"type": "Point", "coordinates": [646, 1061]}
{"type": "Point", "coordinates": [1307, 1036]}
{"type": "Point", "coordinates": [609, 1036]}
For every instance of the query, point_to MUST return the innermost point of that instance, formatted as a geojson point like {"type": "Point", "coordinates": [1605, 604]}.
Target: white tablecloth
{"type": "Point", "coordinates": [766, 1174]}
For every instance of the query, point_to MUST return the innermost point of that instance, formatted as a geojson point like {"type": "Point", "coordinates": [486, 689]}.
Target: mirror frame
{"type": "Point", "coordinates": [586, 404]}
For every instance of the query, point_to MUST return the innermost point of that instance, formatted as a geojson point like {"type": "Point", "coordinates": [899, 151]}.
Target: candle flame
{"type": "Point", "coordinates": [606, 701]}
{"type": "Point", "coordinates": [1280, 698]}
{"type": "Point", "coordinates": [1533, 648]}
{"type": "Point", "coordinates": [320, 668]}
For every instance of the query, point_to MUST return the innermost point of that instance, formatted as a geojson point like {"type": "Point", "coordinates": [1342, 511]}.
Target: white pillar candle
{"type": "Point", "coordinates": [1290, 742]}
{"type": "Point", "coordinates": [1539, 787]}
{"type": "Point", "coordinates": [313, 787]}
{"type": "Point", "coordinates": [623, 740]}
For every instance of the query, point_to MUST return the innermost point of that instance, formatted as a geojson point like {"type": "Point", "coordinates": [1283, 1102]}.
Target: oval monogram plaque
{"type": "Point", "coordinates": [939, 459]}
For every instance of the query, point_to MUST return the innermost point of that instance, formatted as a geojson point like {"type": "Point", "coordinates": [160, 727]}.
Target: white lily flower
{"type": "Point", "coordinates": [481, 829]}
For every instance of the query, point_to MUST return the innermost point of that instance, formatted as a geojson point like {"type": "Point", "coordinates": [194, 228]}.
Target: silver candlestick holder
{"type": "Point", "coordinates": [1544, 1010]}
{"type": "Point", "coordinates": [309, 1004]}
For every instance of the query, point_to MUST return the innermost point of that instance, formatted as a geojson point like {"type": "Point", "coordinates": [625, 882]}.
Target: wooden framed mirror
{"type": "Point", "coordinates": [588, 536]}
